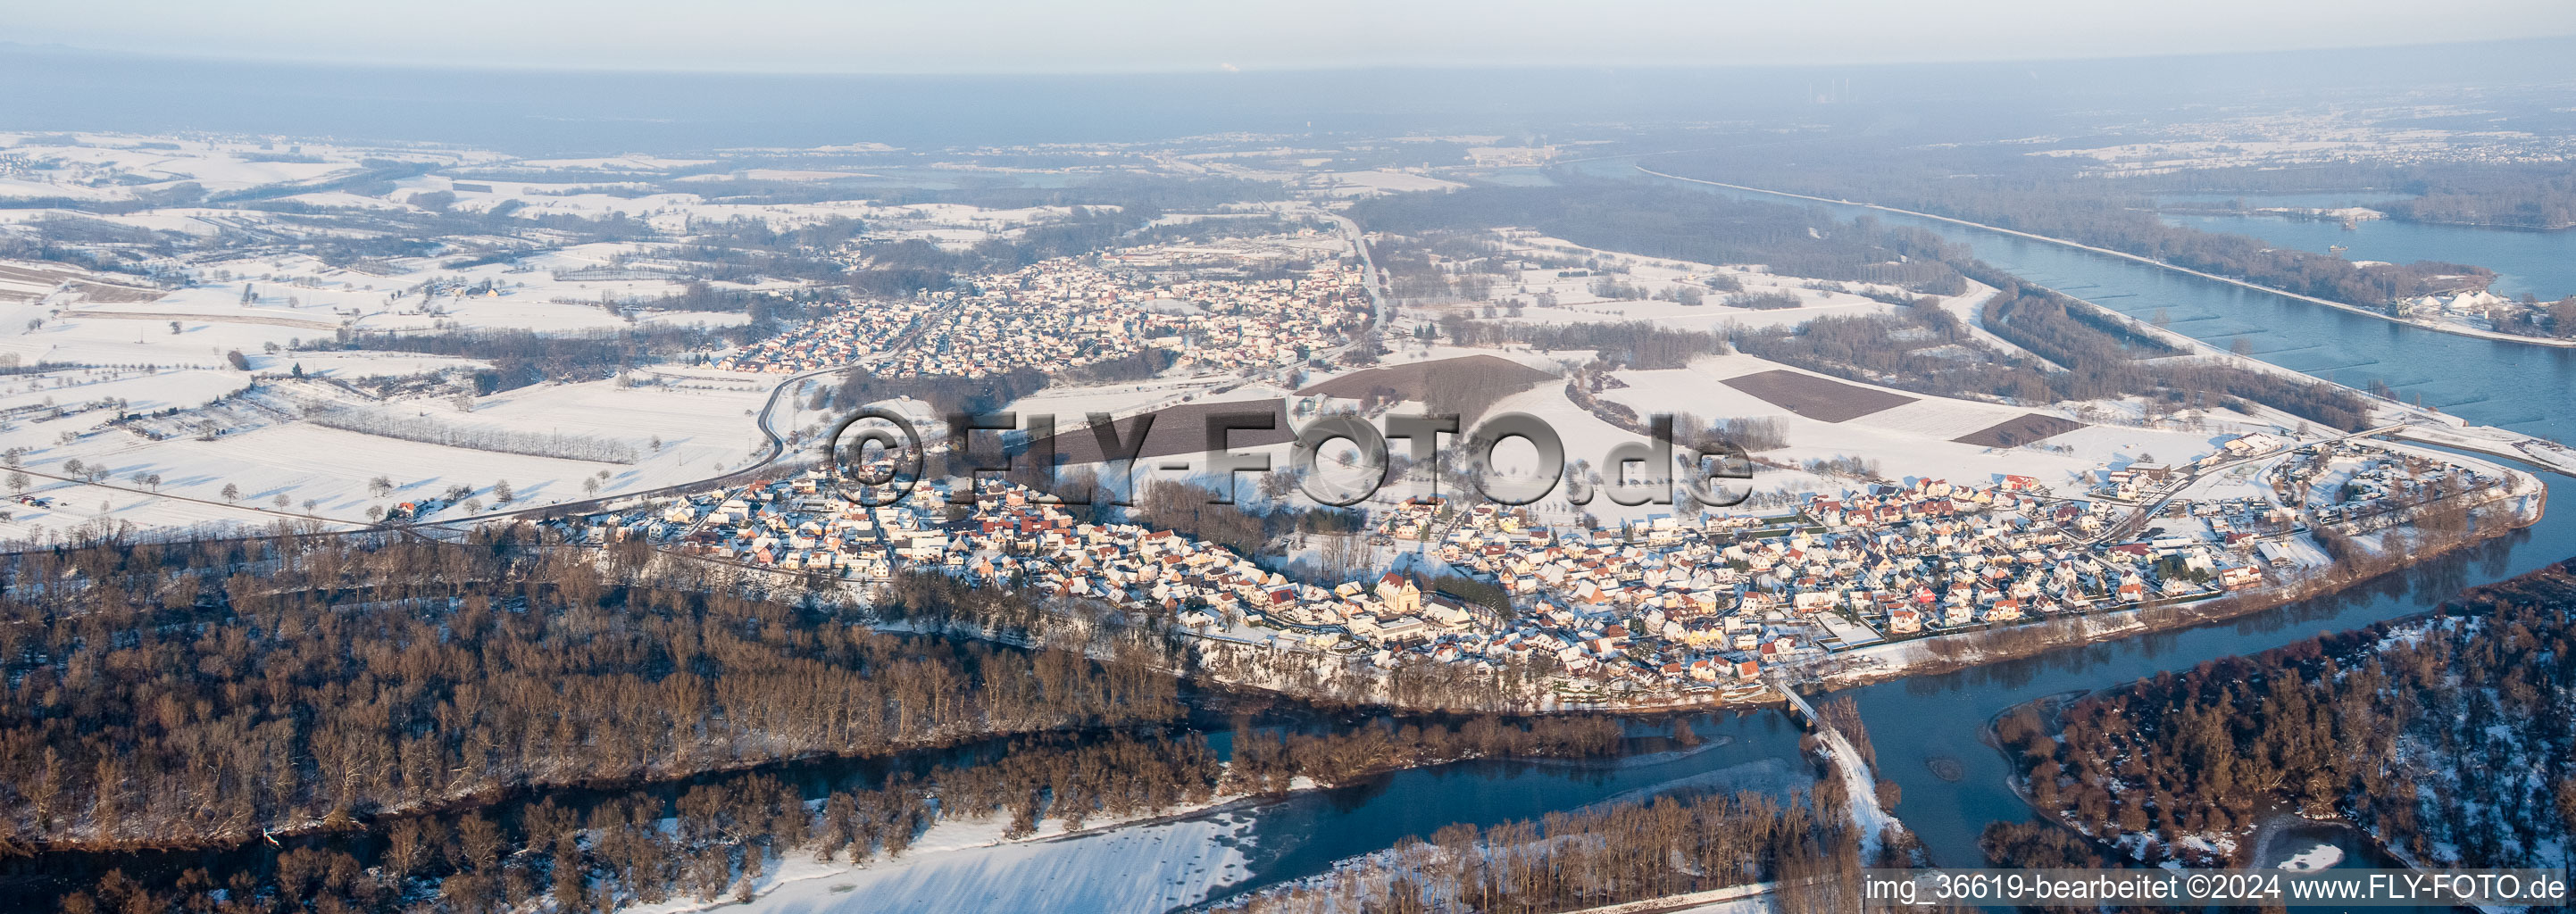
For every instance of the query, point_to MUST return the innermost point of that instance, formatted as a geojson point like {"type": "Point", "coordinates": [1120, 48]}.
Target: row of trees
{"type": "Point", "coordinates": [476, 437]}
{"type": "Point", "coordinates": [521, 357]}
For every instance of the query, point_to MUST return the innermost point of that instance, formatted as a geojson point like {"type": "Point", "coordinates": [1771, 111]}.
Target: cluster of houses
{"type": "Point", "coordinates": [2340, 481]}
{"type": "Point", "coordinates": [845, 336]}
{"type": "Point", "coordinates": [1892, 560]}
{"type": "Point", "coordinates": [1064, 314]}
{"type": "Point", "coordinates": [2147, 481]}
{"type": "Point", "coordinates": [1663, 604]}
{"type": "Point", "coordinates": [2484, 310]}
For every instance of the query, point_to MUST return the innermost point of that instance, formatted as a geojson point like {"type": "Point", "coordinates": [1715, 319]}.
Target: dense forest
{"type": "Point", "coordinates": [389, 701]}
{"type": "Point", "coordinates": [2510, 195]}
{"type": "Point", "coordinates": [2089, 355]}
{"type": "Point", "coordinates": [2059, 205]}
{"type": "Point", "coordinates": [2451, 738]}
{"type": "Point", "coordinates": [2549, 203]}
{"type": "Point", "coordinates": [1706, 228]}
{"type": "Point", "coordinates": [714, 838]}
{"type": "Point", "coordinates": [203, 693]}
{"type": "Point", "coordinates": [2101, 353]}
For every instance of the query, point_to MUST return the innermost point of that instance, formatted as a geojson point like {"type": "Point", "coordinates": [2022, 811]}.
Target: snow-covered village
{"type": "Point", "coordinates": [846, 459]}
{"type": "Point", "coordinates": [1650, 609]}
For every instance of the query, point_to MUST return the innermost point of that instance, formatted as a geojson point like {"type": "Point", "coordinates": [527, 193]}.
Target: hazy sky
{"type": "Point", "coordinates": [1019, 36]}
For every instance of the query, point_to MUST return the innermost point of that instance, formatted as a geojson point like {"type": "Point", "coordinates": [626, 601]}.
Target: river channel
{"type": "Point", "coordinates": [1927, 728]}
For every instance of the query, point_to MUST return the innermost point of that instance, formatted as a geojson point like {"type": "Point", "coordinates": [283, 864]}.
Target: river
{"type": "Point", "coordinates": [2542, 263]}
{"type": "Point", "coordinates": [1925, 723]}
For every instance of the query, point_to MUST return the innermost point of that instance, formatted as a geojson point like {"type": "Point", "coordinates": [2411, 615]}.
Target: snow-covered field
{"type": "Point", "coordinates": [1577, 301]}
{"type": "Point", "coordinates": [1070, 404]}
{"type": "Point", "coordinates": [1912, 440]}
{"type": "Point", "coordinates": [967, 868]}
{"type": "Point", "coordinates": [703, 433]}
{"type": "Point", "coordinates": [1383, 181]}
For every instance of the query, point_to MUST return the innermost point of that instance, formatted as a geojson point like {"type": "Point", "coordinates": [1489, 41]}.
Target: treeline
{"type": "Point", "coordinates": [46, 244]}
{"type": "Point", "coordinates": [1764, 301]}
{"type": "Point", "coordinates": [901, 268]}
{"type": "Point", "coordinates": [1630, 344]}
{"type": "Point", "coordinates": [2556, 318]}
{"type": "Point", "coordinates": [2450, 738]}
{"type": "Point", "coordinates": [2511, 195]}
{"type": "Point", "coordinates": [698, 295]}
{"type": "Point", "coordinates": [1266, 762]}
{"type": "Point", "coordinates": [2076, 209]}
{"type": "Point", "coordinates": [718, 838]}
{"type": "Point", "coordinates": [904, 267]}
{"type": "Point", "coordinates": [1927, 350]}
{"type": "Point", "coordinates": [2102, 354]}
{"type": "Point", "coordinates": [1134, 366]}
{"type": "Point", "coordinates": [745, 249]}
{"type": "Point", "coordinates": [520, 357]}
{"type": "Point", "coordinates": [2090, 355]}
{"type": "Point", "coordinates": [202, 693]}
{"type": "Point", "coordinates": [476, 437]}
{"type": "Point", "coordinates": [1145, 195]}
{"type": "Point", "coordinates": [946, 394]}
{"type": "Point", "coordinates": [1706, 228]}
{"type": "Point", "coordinates": [2549, 203]}
{"type": "Point", "coordinates": [1601, 856]}
{"type": "Point", "coordinates": [1193, 510]}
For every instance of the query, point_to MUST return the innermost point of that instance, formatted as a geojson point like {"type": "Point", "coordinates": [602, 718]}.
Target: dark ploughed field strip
{"type": "Point", "coordinates": [2027, 428]}
{"type": "Point", "coordinates": [1413, 382]}
{"type": "Point", "coordinates": [1821, 399]}
{"type": "Point", "coordinates": [1178, 430]}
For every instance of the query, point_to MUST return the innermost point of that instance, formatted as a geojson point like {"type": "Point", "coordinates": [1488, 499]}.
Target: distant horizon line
{"type": "Point", "coordinates": [1223, 70]}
